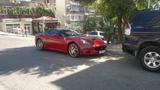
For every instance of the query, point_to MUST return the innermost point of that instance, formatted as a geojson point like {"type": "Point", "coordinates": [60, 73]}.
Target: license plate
{"type": "Point", "coordinates": [102, 51]}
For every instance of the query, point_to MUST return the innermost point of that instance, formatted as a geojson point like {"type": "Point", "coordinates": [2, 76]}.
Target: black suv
{"type": "Point", "coordinates": [142, 38]}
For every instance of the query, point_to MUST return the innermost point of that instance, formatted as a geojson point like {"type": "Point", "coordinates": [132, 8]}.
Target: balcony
{"type": "Point", "coordinates": [73, 3]}
{"type": "Point", "coordinates": [74, 9]}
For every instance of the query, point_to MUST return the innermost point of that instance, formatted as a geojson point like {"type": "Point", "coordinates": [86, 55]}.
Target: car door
{"type": "Point", "coordinates": [49, 38]}
{"type": "Point", "coordinates": [59, 42]}
{"type": "Point", "coordinates": [55, 41]}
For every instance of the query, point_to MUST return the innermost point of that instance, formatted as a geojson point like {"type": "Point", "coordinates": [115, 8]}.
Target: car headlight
{"type": "Point", "coordinates": [84, 42]}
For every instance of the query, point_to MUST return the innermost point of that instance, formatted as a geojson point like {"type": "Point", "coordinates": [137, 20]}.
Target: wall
{"type": "Point", "coordinates": [60, 10]}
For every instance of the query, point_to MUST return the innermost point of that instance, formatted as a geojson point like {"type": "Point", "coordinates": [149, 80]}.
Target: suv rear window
{"type": "Point", "coordinates": [142, 18]}
{"type": "Point", "coordinates": [155, 22]}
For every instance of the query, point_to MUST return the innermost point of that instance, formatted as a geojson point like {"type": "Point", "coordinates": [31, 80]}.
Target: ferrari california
{"type": "Point", "coordinates": [69, 41]}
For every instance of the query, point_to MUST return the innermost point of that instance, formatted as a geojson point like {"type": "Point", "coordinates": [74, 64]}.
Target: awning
{"type": "Point", "coordinates": [45, 19]}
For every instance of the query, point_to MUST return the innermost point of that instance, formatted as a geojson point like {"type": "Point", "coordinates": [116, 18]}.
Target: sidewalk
{"type": "Point", "coordinates": [19, 36]}
{"type": "Point", "coordinates": [115, 49]}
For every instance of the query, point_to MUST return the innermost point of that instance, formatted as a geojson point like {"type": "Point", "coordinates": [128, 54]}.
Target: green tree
{"type": "Point", "coordinates": [32, 11]}
{"type": "Point", "coordinates": [115, 9]}
{"type": "Point", "coordinates": [90, 24]}
{"type": "Point", "coordinates": [143, 4]}
{"type": "Point", "coordinates": [40, 11]}
{"type": "Point", "coordinates": [118, 11]}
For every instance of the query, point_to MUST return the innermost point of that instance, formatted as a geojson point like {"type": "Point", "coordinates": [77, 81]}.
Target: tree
{"type": "Point", "coordinates": [119, 11]}
{"type": "Point", "coordinates": [31, 11]}
{"type": "Point", "coordinates": [115, 9]}
{"type": "Point", "coordinates": [143, 4]}
{"type": "Point", "coordinates": [90, 24]}
{"type": "Point", "coordinates": [40, 11]}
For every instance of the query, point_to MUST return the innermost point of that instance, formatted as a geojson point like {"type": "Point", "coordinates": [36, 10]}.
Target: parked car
{"type": "Point", "coordinates": [99, 34]}
{"type": "Point", "coordinates": [142, 38]}
{"type": "Point", "coordinates": [71, 42]}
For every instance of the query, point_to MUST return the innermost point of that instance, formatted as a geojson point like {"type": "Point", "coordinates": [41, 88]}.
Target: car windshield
{"type": "Point", "coordinates": [69, 33]}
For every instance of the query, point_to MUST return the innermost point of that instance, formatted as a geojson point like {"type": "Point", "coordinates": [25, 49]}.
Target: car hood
{"type": "Point", "coordinates": [95, 40]}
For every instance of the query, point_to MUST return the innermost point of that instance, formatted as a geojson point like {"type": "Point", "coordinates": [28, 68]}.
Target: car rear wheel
{"type": "Point", "coordinates": [39, 44]}
{"type": "Point", "coordinates": [150, 58]}
{"type": "Point", "coordinates": [73, 50]}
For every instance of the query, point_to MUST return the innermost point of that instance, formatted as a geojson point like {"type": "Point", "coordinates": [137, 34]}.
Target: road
{"type": "Point", "coordinates": [23, 67]}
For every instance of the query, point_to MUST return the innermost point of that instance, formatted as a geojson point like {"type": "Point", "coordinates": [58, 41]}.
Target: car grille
{"type": "Point", "coordinates": [100, 48]}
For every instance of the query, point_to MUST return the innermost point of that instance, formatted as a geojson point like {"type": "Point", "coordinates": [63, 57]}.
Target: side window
{"type": "Point", "coordinates": [155, 22]}
{"type": "Point", "coordinates": [52, 32]}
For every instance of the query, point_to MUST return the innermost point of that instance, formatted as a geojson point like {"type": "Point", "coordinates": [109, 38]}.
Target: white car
{"type": "Point", "coordinates": [97, 33]}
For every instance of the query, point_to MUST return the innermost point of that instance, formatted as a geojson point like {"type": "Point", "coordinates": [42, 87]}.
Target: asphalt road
{"type": "Point", "coordinates": [22, 67]}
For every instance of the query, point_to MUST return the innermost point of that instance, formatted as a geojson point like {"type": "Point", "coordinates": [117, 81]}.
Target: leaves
{"type": "Point", "coordinates": [32, 11]}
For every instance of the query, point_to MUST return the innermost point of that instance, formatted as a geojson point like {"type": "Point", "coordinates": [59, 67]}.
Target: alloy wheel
{"type": "Point", "coordinates": [39, 44]}
{"type": "Point", "coordinates": [152, 59]}
{"type": "Point", "coordinates": [73, 50]}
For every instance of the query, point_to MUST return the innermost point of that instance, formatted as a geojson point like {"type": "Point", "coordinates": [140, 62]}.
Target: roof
{"type": "Point", "coordinates": [45, 18]}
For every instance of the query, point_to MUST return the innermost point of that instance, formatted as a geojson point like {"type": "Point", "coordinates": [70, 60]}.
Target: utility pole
{"type": "Point", "coordinates": [149, 3]}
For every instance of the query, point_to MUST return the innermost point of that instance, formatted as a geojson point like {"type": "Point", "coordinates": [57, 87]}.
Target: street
{"type": "Point", "coordinates": [23, 67]}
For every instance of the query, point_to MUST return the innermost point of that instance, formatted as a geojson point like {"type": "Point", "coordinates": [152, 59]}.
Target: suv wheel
{"type": "Point", "coordinates": [150, 58]}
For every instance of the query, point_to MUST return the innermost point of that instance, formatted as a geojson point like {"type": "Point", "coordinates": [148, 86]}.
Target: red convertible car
{"type": "Point", "coordinates": [71, 42]}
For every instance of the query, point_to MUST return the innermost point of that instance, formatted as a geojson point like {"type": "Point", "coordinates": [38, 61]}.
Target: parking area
{"type": "Point", "coordinates": [23, 67]}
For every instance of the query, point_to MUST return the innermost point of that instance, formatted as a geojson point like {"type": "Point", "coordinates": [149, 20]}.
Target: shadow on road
{"type": "Point", "coordinates": [41, 63]}
{"type": "Point", "coordinates": [123, 74]}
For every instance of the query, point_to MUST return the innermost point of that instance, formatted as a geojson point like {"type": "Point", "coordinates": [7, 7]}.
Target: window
{"type": "Point", "coordinates": [155, 22]}
{"type": "Point", "coordinates": [15, 1]}
{"type": "Point", "coordinates": [52, 32]}
{"type": "Point", "coordinates": [66, 33]}
{"type": "Point", "coordinates": [12, 28]}
{"type": "Point", "coordinates": [72, 17]}
{"type": "Point", "coordinates": [93, 33]}
{"type": "Point", "coordinates": [79, 17]}
{"type": "Point", "coordinates": [47, 1]}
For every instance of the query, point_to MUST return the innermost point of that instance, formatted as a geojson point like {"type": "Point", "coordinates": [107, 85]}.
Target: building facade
{"type": "Point", "coordinates": [43, 3]}
{"type": "Point", "coordinates": [13, 24]}
{"type": "Point", "coordinates": [70, 12]}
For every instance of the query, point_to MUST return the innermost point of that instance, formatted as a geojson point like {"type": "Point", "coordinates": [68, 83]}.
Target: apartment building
{"type": "Point", "coordinates": [70, 12]}
{"type": "Point", "coordinates": [9, 2]}
{"type": "Point", "coordinates": [43, 3]}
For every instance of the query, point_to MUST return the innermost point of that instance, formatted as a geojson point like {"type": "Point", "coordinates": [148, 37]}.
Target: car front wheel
{"type": "Point", "coordinates": [73, 50]}
{"type": "Point", "coordinates": [150, 58]}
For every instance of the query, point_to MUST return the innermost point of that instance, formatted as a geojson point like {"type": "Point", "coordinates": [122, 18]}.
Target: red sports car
{"type": "Point", "coordinates": [71, 42]}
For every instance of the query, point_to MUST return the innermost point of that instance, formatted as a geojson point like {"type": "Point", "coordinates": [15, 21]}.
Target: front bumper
{"type": "Point", "coordinates": [93, 50]}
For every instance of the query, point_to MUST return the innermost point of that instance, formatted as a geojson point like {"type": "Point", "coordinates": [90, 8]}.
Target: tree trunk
{"type": "Point", "coordinates": [120, 35]}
